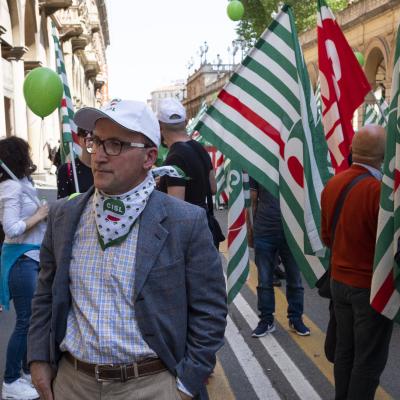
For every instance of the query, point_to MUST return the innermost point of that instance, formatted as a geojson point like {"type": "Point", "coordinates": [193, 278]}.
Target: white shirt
{"type": "Point", "coordinates": [16, 205]}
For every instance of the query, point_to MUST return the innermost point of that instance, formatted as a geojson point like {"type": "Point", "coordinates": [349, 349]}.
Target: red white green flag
{"type": "Point", "coordinates": [343, 86]}
{"type": "Point", "coordinates": [69, 128]}
{"type": "Point", "coordinates": [385, 287]}
{"type": "Point", "coordinates": [238, 251]}
{"type": "Point", "coordinates": [265, 121]}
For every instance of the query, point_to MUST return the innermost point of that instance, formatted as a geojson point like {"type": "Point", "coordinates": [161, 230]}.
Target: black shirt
{"type": "Point", "coordinates": [65, 178]}
{"type": "Point", "coordinates": [268, 217]}
{"type": "Point", "coordinates": [191, 158]}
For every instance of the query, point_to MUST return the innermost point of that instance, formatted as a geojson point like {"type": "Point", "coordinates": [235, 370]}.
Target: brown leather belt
{"type": "Point", "coordinates": [117, 372]}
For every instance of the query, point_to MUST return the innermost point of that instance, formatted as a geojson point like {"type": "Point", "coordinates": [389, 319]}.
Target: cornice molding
{"type": "Point", "coordinates": [51, 6]}
{"type": "Point", "coordinates": [32, 64]}
{"type": "Point", "coordinates": [13, 53]}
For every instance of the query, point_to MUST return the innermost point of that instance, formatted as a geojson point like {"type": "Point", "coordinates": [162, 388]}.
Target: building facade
{"type": "Point", "coordinates": [204, 85]}
{"type": "Point", "coordinates": [27, 43]}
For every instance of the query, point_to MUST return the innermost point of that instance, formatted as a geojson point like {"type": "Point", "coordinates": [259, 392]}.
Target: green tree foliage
{"type": "Point", "coordinates": [257, 15]}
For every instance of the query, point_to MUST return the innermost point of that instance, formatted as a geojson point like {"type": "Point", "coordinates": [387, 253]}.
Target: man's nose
{"type": "Point", "coordinates": [100, 155]}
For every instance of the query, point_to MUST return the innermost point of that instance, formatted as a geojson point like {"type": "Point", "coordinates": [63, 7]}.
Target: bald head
{"type": "Point", "coordinates": [368, 146]}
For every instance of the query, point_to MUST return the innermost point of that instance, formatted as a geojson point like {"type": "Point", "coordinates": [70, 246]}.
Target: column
{"type": "Point", "coordinates": [2, 110]}
{"type": "Point", "coordinates": [14, 55]}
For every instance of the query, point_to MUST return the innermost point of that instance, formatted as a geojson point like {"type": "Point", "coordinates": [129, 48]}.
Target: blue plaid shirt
{"type": "Point", "coordinates": [101, 326]}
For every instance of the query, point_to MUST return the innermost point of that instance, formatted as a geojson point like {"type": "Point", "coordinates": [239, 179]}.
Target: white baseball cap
{"type": "Point", "coordinates": [132, 115]}
{"type": "Point", "coordinates": [171, 111]}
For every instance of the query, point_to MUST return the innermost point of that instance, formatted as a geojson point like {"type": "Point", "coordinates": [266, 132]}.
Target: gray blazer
{"type": "Point", "coordinates": [180, 296]}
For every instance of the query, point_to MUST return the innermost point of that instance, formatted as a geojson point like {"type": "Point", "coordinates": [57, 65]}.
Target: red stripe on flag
{"type": "Point", "coordinates": [236, 227]}
{"type": "Point", "coordinates": [64, 102]}
{"type": "Point", "coordinates": [396, 179]}
{"type": "Point", "coordinates": [254, 118]}
{"type": "Point", "coordinates": [75, 138]}
{"type": "Point", "coordinates": [220, 161]}
{"type": "Point", "coordinates": [384, 293]}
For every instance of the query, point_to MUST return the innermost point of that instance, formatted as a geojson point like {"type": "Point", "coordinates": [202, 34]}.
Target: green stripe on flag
{"type": "Point", "coordinates": [268, 76]}
{"type": "Point", "coordinates": [263, 98]}
{"type": "Point", "coordinates": [258, 174]}
{"type": "Point", "coordinates": [275, 55]}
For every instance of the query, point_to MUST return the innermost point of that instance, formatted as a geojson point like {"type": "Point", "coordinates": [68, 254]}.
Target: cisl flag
{"type": "Point", "coordinates": [343, 86]}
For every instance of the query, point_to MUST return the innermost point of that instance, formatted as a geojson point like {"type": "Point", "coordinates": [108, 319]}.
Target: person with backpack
{"type": "Point", "coordinates": [362, 334]}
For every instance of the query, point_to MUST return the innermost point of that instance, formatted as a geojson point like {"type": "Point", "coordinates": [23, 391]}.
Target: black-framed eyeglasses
{"type": "Point", "coordinates": [112, 147]}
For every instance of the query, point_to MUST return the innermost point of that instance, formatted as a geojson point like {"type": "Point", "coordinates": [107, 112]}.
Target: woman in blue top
{"type": "Point", "coordinates": [22, 218]}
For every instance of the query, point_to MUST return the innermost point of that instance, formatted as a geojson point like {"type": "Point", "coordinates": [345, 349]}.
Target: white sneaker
{"type": "Point", "coordinates": [19, 390]}
{"type": "Point", "coordinates": [27, 378]}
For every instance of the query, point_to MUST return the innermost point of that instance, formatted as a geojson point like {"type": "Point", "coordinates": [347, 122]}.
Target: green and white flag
{"type": "Point", "coordinates": [385, 286]}
{"type": "Point", "coordinates": [318, 100]}
{"type": "Point", "coordinates": [221, 195]}
{"type": "Point", "coordinates": [69, 128]}
{"type": "Point", "coordinates": [246, 190]}
{"type": "Point", "coordinates": [373, 115]}
{"type": "Point", "coordinates": [192, 124]}
{"type": "Point", "coordinates": [238, 251]}
{"type": "Point", "coordinates": [265, 121]}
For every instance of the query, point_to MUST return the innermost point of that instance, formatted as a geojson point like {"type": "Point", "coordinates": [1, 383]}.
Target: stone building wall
{"type": "Point", "coordinates": [27, 43]}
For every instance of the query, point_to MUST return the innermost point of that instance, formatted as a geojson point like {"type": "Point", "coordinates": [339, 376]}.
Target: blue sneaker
{"type": "Point", "coordinates": [263, 328]}
{"type": "Point", "coordinates": [298, 326]}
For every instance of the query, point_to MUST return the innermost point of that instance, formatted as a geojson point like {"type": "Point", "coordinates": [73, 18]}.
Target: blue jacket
{"type": "Point", "coordinates": [180, 295]}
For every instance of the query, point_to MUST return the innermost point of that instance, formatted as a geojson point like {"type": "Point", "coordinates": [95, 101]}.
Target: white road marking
{"type": "Point", "coordinates": [292, 373]}
{"type": "Point", "coordinates": [251, 367]}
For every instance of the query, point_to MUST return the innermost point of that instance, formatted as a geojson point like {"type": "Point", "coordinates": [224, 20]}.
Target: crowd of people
{"type": "Point", "coordinates": [126, 298]}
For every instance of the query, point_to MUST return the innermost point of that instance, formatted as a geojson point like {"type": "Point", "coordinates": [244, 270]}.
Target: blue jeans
{"type": "Point", "coordinates": [22, 284]}
{"type": "Point", "coordinates": [266, 248]}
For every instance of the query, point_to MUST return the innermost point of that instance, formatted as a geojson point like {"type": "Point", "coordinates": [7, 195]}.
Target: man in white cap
{"type": "Point", "coordinates": [185, 153]}
{"type": "Point", "coordinates": [131, 298]}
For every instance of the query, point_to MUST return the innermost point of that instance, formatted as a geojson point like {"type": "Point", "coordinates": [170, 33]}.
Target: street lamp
{"type": "Point", "coordinates": [203, 51]}
{"type": "Point", "coordinates": [190, 64]}
{"type": "Point", "coordinates": [219, 62]}
{"type": "Point", "coordinates": [232, 51]}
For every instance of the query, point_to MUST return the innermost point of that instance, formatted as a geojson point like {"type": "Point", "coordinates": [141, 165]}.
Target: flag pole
{"type": "Point", "coordinates": [380, 107]}
{"type": "Point", "coordinates": [71, 152]}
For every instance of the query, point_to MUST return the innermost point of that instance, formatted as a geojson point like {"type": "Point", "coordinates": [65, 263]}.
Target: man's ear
{"type": "Point", "coordinates": [150, 157]}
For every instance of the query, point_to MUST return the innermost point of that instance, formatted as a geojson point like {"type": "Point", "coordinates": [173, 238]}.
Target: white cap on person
{"type": "Point", "coordinates": [171, 111]}
{"type": "Point", "coordinates": [132, 115]}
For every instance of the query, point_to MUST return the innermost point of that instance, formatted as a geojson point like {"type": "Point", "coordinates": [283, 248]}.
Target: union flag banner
{"type": "Point", "coordinates": [265, 122]}
{"type": "Point", "coordinates": [385, 286]}
{"type": "Point", "coordinates": [343, 86]}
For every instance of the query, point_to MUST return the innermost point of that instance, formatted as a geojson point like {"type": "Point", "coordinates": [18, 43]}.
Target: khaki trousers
{"type": "Point", "coordinates": [71, 384]}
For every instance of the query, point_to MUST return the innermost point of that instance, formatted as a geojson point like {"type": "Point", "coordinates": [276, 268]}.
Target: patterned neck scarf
{"type": "Point", "coordinates": [115, 215]}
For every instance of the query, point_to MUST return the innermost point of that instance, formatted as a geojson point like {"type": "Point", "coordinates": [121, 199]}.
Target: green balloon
{"type": "Point", "coordinates": [43, 91]}
{"type": "Point", "coordinates": [360, 58]}
{"type": "Point", "coordinates": [235, 10]}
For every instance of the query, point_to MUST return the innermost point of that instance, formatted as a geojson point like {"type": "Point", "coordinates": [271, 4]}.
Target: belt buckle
{"type": "Point", "coordinates": [124, 374]}
{"type": "Point", "coordinates": [97, 372]}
